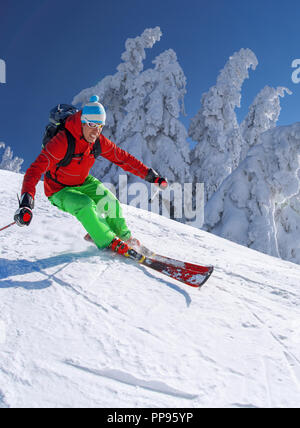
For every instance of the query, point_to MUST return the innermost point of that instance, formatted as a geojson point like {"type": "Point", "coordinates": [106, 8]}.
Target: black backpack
{"type": "Point", "coordinates": [57, 119]}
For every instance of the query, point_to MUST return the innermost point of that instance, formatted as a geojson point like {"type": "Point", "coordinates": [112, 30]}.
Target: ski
{"type": "Point", "coordinates": [193, 278]}
{"type": "Point", "coordinates": [188, 273]}
{"type": "Point", "coordinates": [173, 262]}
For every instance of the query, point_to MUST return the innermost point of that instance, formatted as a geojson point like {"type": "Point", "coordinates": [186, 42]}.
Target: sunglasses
{"type": "Point", "coordinates": [93, 124]}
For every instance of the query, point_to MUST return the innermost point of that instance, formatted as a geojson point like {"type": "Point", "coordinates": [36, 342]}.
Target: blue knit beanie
{"type": "Point", "coordinates": [93, 111]}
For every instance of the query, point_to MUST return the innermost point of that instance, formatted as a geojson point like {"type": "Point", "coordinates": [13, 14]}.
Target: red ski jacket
{"type": "Point", "coordinates": [77, 171]}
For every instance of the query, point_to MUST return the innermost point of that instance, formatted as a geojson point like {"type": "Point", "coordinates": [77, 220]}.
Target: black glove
{"type": "Point", "coordinates": [23, 215]}
{"type": "Point", "coordinates": [153, 177]}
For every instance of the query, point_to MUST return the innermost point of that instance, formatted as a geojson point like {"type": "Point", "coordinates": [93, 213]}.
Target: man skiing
{"type": "Point", "coordinates": [73, 190]}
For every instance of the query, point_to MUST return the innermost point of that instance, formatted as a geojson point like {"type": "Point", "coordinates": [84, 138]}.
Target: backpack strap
{"type": "Point", "coordinates": [67, 158]}
{"type": "Point", "coordinates": [70, 150]}
{"type": "Point", "coordinates": [48, 175]}
{"type": "Point", "coordinates": [70, 154]}
{"type": "Point", "coordinates": [96, 149]}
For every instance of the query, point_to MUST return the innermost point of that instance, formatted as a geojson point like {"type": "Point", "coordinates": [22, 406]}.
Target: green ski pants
{"type": "Point", "coordinates": [97, 209]}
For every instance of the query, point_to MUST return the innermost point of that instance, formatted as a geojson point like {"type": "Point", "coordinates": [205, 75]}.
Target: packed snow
{"type": "Point", "coordinates": [81, 328]}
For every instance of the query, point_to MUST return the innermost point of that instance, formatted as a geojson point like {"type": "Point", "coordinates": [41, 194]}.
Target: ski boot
{"type": "Point", "coordinates": [131, 242]}
{"type": "Point", "coordinates": [119, 246]}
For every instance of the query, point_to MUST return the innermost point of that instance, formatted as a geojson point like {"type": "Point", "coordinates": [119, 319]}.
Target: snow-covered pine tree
{"type": "Point", "coordinates": [151, 130]}
{"type": "Point", "coordinates": [263, 115]}
{"type": "Point", "coordinates": [8, 161]}
{"type": "Point", "coordinates": [112, 89]}
{"type": "Point", "coordinates": [144, 115]}
{"type": "Point", "coordinates": [165, 134]}
{"type": "Point", "coordinates": [288, 229]}
{"type": "Point", "coordinates": [258, 204]}
{"type": "Point", "coordinates": [215, 127]}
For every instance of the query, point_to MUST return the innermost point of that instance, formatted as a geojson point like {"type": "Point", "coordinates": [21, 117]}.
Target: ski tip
{"type": "Point", "coordinates": [211, 269]}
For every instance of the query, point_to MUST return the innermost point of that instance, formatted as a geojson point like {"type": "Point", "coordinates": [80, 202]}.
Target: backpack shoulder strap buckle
{"type": "Point", "coordinates": [96, 150]}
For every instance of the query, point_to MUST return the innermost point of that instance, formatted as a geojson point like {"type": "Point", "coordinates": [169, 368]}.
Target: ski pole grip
{"type": "Point", "coordinates": [26, 216]}
{"type": "Point", "coordinates": [153, 177]}
{"type": "Point", "coordinates": [23, 216]}
{"type": "Point", "coordinates": [161, 182]}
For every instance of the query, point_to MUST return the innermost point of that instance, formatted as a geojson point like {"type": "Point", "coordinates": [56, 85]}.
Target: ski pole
{"type": "Point", "coordinates": [6, 227]}
{"type": "Point", "coordinates": [154, 196]}
{"type": "Point", "coordinates": [163, 184]}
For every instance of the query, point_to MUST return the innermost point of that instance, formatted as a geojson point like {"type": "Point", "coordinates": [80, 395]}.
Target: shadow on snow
{"type": "Point", "coordinates": [10, 268]}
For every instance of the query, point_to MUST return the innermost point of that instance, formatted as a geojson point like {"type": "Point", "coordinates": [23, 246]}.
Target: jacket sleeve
{"type": "Point", "coordinates": [120, 157]}
{"type": "Point", "coordinates": [47, 159]}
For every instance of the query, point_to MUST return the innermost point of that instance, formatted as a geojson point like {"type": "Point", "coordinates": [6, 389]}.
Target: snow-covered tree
{"type": "Point", "coordinates": [263, 115]}
{"type": "Point", "coordinates": [215, 126]}
{"type": "Point", "coordinates": [288, 229]}
{"type": "Point", "coordinates": [112, 89]}
{"type": "Point", "coordinates": [258, 204]}
{"type": "Point", "coordinates": [151, 129]}
{"type": "Point", "coordinates": [143, 112]}
{"type": "Point", "coordinates": [8, 160]}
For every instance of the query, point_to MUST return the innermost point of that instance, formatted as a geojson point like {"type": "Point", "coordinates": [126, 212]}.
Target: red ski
{"type": "Point", "coordinates": [188, 273]}
{"type": "Point", "coordinates": [173, 262]}
{"type": "Point", "coordinates": [192, 277]}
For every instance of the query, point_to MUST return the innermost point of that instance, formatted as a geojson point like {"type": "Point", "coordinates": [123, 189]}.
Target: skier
{"type": "Point", "coordinates": [73, 190]}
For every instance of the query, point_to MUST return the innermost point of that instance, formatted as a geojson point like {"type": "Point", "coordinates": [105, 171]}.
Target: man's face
{"type": "Point", "coordinates": [90, 134]}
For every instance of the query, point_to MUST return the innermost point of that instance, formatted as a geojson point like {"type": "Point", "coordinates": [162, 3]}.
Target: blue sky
{"type": "Point", "coordinates": [53, 49]}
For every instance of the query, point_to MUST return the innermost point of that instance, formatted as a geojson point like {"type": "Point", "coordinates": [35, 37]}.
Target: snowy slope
{"type": "Point", "coordinates": [79, 328]}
